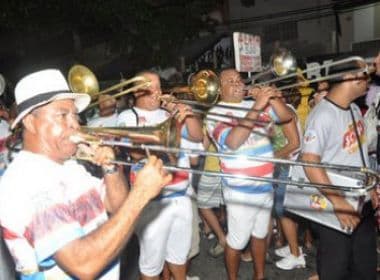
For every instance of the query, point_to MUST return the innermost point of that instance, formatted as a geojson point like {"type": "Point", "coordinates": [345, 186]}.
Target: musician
{"type": "Point", "coordinates": [7, 267]}
{"type": "Point", "coordinates": [165, 234]}
{"type": "Point", "coordinates": [107, 116]}
{"type": "Point", "coordinates": [321, 91]}
{"type": "Point", "coordinates": [331, 136]}
{"type": "Point", "coordinates": [249, 203]}
{"type": "Point", "coordinates": [53, 213]}
{"type": "Point", "coordinates": [287, 140]}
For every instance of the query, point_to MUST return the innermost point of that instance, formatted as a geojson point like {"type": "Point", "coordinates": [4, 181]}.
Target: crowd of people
{"type": "Point", "coordinates": [63, 219]}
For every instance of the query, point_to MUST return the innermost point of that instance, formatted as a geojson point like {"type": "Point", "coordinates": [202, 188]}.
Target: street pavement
{"type": "Point", "coordinates": [209, 268]}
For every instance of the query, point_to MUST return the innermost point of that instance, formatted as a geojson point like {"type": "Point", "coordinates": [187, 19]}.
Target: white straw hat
{"type": "Point", "coordinates": [42, 87]}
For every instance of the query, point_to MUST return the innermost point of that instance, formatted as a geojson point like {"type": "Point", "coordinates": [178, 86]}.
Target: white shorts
{"type": "Point", "coordinates": [247, 215]}
{"type": "Point", "coordinates": [195, 238]}
{"type": "Point", "coordinates": [164, 233]}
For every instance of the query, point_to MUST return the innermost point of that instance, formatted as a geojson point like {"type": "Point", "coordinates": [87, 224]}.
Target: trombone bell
{"type": "Point", "coordinates": [205, 86]}
{"type": "Point", "coordinates": [82, 79]}
{"type": "Point", "coordinates": [283, 63]}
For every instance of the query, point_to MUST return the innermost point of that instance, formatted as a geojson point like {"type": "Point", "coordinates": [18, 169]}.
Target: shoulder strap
{"type": "Point", "coordinates": [358, 137]}
{"type": "Point", "coordinates": [136, 115]}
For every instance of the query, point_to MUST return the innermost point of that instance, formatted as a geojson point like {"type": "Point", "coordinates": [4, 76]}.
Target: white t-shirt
{"type": "Point", "coordinates": [179, 184]}
{"type": "Point", "coordinates": [143, 117]}
{"type": "Point", "coordinates": [109, 121]}
{"type": "Point", "coordinates": [330, 134]}
{"type": "Point", "coordinates": [45, 205]}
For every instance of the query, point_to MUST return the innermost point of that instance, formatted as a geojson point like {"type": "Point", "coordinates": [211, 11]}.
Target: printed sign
{"type": "Point", "coordinates": [247, 52]}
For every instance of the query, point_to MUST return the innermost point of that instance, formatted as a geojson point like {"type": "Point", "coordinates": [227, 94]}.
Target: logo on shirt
{"type": "Point", "coordinates": [350, 143]}
{"type": "Point", "coordinates": [310, 136]}
{"type": "Point", "coordinates": [142, 120]}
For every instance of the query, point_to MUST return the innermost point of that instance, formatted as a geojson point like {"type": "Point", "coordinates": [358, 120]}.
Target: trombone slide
{"type": "Point", "coordinates": [311, 204]}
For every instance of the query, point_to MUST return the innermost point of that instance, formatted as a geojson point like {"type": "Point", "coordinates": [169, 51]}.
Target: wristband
{"type": "Point", "coordinates": [109, 169]}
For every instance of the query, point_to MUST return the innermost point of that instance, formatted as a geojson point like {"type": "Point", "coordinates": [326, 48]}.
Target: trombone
{"type": "Point", "coordinates": [204, 86]}
{"type": "Point", "coordinates": [82, 79]}
{"type": "Point", "coordinates": [166, 133]}
{"type": "Point", "coordinates": [282, 63]}
{"type": "Point", "coordinates": [360, 64]}
{"type": "Point", "coordinates": [369, 177]}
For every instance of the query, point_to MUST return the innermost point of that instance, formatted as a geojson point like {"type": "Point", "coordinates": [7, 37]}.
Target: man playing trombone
{"type": "Point", "coordinates": [335, 133]}
{"type": "Point", "coordinates": [165, 234]}
{"type": "Point", "coordinates": [54, 214]}
{"type": "Point", "coordinates": [249, 203]}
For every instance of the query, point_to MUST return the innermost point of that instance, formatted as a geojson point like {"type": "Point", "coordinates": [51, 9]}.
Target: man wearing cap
{"type": "Point", "coordinates": [53, 214]}
{"type": "Point", "coordinates": [335, 134]}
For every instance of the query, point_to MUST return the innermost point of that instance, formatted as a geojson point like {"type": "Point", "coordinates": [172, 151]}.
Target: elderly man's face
{"type": "Point", "coordinates": [149, 99]}
{"type": "Point", "coordinates": [53, 124]}
{"type": "Point", "coordinates": [232, 89]}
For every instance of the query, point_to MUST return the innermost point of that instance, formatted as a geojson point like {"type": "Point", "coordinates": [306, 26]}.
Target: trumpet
{"type": "Point", "coordinates": [82, 79]}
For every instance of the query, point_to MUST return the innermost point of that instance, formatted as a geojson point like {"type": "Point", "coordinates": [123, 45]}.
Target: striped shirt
{"type": "Point", "coordinates": [255, 145]}
{"type": "Point", "coordinates": [43, 207]}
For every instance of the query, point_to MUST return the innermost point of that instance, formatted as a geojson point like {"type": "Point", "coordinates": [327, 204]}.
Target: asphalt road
{"type": "Point", "coordinates": [209, 268]}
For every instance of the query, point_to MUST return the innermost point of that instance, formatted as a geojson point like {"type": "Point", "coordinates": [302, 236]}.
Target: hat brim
{"type": "Point", "coordinates": [81, 101]}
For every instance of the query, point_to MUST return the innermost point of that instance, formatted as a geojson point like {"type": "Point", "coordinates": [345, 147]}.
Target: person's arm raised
{"type": "Point", "coordinates": [240, 133]}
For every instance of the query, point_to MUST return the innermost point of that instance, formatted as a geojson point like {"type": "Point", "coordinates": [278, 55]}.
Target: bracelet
{"type": "Point", "coordinates": [109, 169]}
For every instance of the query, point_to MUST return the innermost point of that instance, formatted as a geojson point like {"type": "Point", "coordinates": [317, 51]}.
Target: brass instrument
{"type": "Point", "coordinates": [82, 79]}
{"type": "Point", "coordinates": [359, 62]}
{"type": "Point", "coordinates": [282, 63]}
{"type": "Point", "coordinates": [166, 133]}
{"type": "Point", "coordinates": [370, 177]}
{"type": "Point", "coordinates": [207, 90]}
{"type": "Point", "coordinates": [204, 86]}
{"type": "Point", "coordinates": [158, 139]}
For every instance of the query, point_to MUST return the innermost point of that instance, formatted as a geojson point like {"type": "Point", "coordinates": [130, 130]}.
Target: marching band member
{"type": "Point", "coordinates": [107, 112]}
{"type": "Point", "coordinates": [166, 232]}
{"type": "Point", "coordinates": [249, 203]}
{"type": "Point", "coordinates": [287, 140]}
{"type": "Point", "coordinates": [331, 136]}
{"type": "Point", "coordinates": [6, 269]}
{"type": "Point", "coordinates": [53, 213]}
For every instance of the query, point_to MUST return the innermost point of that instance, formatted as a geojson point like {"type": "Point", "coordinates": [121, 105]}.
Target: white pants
{"type": "Point", "coordinates": [164, 233]}
{"type": "Point", "coordinates": [247, 215]}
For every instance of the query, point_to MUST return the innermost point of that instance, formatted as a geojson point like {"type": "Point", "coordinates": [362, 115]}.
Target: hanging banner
{"type": "Point", "coordinates": [247, 52]}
